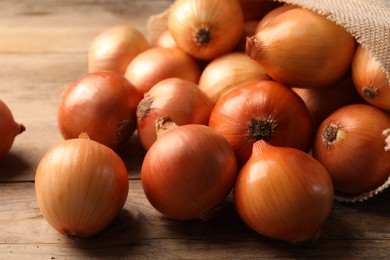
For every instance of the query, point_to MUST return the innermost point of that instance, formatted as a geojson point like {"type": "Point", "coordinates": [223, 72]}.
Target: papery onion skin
{"type": "Point", "coordinates": [303, 49]}
{"type": "Point", "coordinates": [179, 99]}
{"type": "Point", "coordinates": [350, 144]}
{"type": "Point", "coordinates": [228, 71]}
{"type": "Point", "coordinates": [103, 104]}
{"type": "Point", "coordinates": [114, 48]}
{"type": "Point", "coordinates": [9, 129]}
{"type": "Point", "coordinates": [264, 110]}
{"type": "Point", "coordinates": [158, 63]}
{"type": "Point", "coordinates": [283, 193]}
{"type": "Point", "coordinates": [188, 172]}
{"type": "Point", "coordinates": [206, 29]}
{"type": "Point", "coordinates": [370, 79]}
{"type": "Point", "coordinates": [81, 186]}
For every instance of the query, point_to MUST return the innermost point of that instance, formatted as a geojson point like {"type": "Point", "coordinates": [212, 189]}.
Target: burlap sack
{"type": "Point", "coordinates": [367, 20]}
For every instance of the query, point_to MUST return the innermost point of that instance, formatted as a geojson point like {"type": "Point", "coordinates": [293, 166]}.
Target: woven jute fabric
{"type": "Point", "coordinates": [367, 20]}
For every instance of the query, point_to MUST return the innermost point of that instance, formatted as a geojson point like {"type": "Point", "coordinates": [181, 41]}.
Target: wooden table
{"type": "Point", "coordinates": [43, 46]}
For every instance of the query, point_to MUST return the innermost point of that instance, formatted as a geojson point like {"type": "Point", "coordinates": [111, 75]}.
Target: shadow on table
{"type": "Point", "coordinates": [13, 166]}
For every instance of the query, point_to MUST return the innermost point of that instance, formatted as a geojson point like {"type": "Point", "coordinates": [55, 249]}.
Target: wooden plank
{"type": "Point", "coordinates": [66, 26]}
{"type": "Point", "coordinates": [352, 231]}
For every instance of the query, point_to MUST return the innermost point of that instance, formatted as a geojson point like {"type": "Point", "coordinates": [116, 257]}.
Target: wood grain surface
{"type": "Point", "coordinates": [43, 46]}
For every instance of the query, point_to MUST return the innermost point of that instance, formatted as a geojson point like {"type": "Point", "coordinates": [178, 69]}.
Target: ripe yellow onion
{"type": "Point", "coordinates": [188, 172]}
{"type": "Point", "coordinates": [303, 49]}
{"type": "Point", "coordinates": [179, 99]}
{"type": "Point", "coordinates": [262, 110]}
{"type": "Point", "coordinates": [158, 63]}
{"type": "Point", "coordinates": [228, 71]}
{"type": "Point", "coordinates": [351, 144]}
{"type": "Point", "coordinates": [370, 79]}
{"type": "Point", "coordinates": [9, 129]}
{"type": "Point", "coordinates": [103, 104]}
{"type": "Point", "coordinates": [283, 193]}
{"type": "Point", "coordinates": [81, 186]}
{"type": "Point", "coordinates": [206, 29]}
{"type": "Point", "coordinates": [114, 48]}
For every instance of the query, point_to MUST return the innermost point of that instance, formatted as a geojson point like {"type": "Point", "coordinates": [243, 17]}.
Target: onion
{"type": "Point", "coordinates": [188, 172]}
{"type": "Point", "coordinates": [262, 110]}
{"type": "Point", "coordinates": [255, 9]}
{"type": "Point", "coordinates": [321, 102]}
{"type": "Point", "coordinates": [9, 129]}
{"type": "Point", "coordinates": [165, 40]}
{"type": "Point", "coordinates": [283, 193]}
{"type": "Point", "coordinates": [206, 29]}
{"type": "Point", "coordinates": [303, 49]}
{"type": "Point", "coordinates": [370, 79]}
{"type": "Point", "coordinates": [272, 14]}
{"type": "Point", "coordinates": [351, 144]}
{"type": "Point", "coordinates": [229, 71]}
{"type": "Point", "coordinates": [114, 48]}
{"type": "Point", "coordinates": [179, 99]}
{"type": "Point", "coordinates": [158, 63]}
{"type": "Point", "coordinates": [81, 185]}
{"type": "Point", "coordinates": [103, 104]}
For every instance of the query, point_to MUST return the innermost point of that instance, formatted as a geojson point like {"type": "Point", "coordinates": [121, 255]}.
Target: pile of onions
{"type": "Point", "coordinates": [102, 104]}
{"type": "Point", "coordinates": [9, 129]}
{"type": "Point", "coordinates": [229, 71]}
{"type": "Point", "coordinates": [114, 48]}
{"type": "Point", "coordinates": [351, 143]}
{"type": "Point", "coordinates": [189, 171]}
{"type": "Point", "coordinates": [206, 29]}
{"type": "Point", "coordinates": [283, 193]}
{"type": "Point", "coordinates": [158, 63]}
{"type": "Point", "coordinates": [81, 186]}
{"type": "Point", "coordinates": [302, 48]}
{"type": "Point", "coordinates": [262, 110]}
{"type": "Point", "coordinates": [179, 99]}
{"type": "Point", "coordinates": [205, 111]}
{"type": "Point", "coordinates": [370, 79]}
